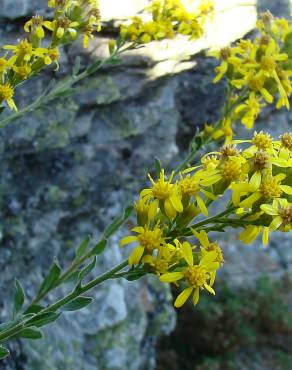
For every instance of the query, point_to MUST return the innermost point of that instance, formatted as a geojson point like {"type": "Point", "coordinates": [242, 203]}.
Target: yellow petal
{"type": "Point", "coordinates": [138, 229]}
{"type": "Point", "coordinates": [248, 202]}
{"type": "Point", "coordinates": [286, 189]}
{"type": "Point", "coordinates": [136, 255]}
{"type": "Point", "coordinates": [202, 237]}
{"type": "Point", "coordinates": [171, 277]}
{"type": "Point", "coordinates": [127, 240]}
{"type": "Point", "coordinates": [277, 222]}
{"type": "Point", "coordinates": [176, 202]}
{"type": "Point", "coordinates": [184, 295]}
{"type": "Point", "coordinates": [211, 180]}
{"type": "Point", "coordinates": [196, 296]}
{"type": "Point", "coordinates": [202, 205]}
{"type": "Point", "coordinates": [169, 210]}
{"type": "Point", "coordinates": [208, 257]}
{"type": "Point", "coordinates": [249, 234]}
{"type": "Point", "coordinates": [187, 253]}
{"type": "Point", "coordinates": [265, 238]}
{"type": "Point", "coordinates": [255, 181]}
{"type": "Point", "coordinates": [210, 290]}
{"type": "Point", "coordinates": [269, 210]}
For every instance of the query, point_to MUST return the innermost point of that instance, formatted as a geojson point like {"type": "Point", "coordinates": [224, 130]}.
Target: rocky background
{"type": "Point", "coordinates": [68, 169]}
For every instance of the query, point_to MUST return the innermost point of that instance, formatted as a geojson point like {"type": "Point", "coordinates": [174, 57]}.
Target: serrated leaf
{"type": "Point", "coordinates": [77, 304]}
{"type": "Point", "coordinates": [30, 333]}
{"type": "Point", "coordinates": [18, 298]}
{"type": "Point", "coordinates": [157, 167]}
{"type": "Point", "coordinates": [44, 319]}
{"type": "Point", "coordinates": [87, 269]}
{"type": "Point", "coordinates": [99, 247]}
{"type": "Point", "coordinates": [4, 352]}
{"type": "Point", "coordinates": [82, 248]}
{"type": "Point", "coordinates": [118, 222]}
{"type": "Point", "coordinates": [51, 279]}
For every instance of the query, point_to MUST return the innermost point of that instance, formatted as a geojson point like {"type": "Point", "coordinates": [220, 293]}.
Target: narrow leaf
{"type": "Point", "coordinates": [77, 65]}
{"type": "Point", "coordinates": [82, 248]}
{"type": "Point", "coordinates": [94, 66]}
{"type": "Point", "coordinates": [118, 222]}
{"type": "Point", "coordinates": [51, 279]}
{"type": "Point", "coordinates": [44, 319]}
{"type": "Point", "coordinates": [18, 298]}
{"type": "Point", "coordinates": [34, 309]}
{"type": "Point", "coordinates": [4, 352]}
{"type": "Point", "coordinates": [157, 167]}
{"type": "Point", "coordinates": [99, 247]}
{"type": "Point", "coordinates": [30, 333]}
{"type": "Point", "coordinates": [87, 269]}
{"type": "Point", "coordinates": [77, 304]}
{"type": "Point", "coordinates": [72, 278]}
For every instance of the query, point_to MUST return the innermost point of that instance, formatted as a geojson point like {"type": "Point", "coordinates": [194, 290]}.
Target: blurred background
{"type": "Point", "coordinates": [69, 168]}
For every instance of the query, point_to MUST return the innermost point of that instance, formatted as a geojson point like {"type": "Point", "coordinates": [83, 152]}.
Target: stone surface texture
{"type": "Point", "coordinates": [68, 169]}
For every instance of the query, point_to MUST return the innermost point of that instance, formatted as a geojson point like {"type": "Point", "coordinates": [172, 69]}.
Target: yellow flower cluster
{"type": "Point", "coordinates": [26, 58]}
{"type": "Point", "coordinates": [257, 177]}
{"type": "Point", "coordinates": [169, 18]}
{"type": "Point", "coordinates": [257, 72]}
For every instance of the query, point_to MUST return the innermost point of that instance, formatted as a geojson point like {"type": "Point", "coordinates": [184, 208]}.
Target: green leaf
{"type": "Point", "coordinates": [157, 167]}
{"type": "Point", "coordinates": [118, 222]}
{"type": "Point", "coordinates": [4, 352]}
{"type": "Point", "coordinates": [94, 67]}
{"type": "Point", "coordinates": [77, 65]}
{"type": "Point", "coordinates": [77, 304]}
{"type": "Point", "coordinates": [72, 278]}
{"type": "Point", "coordinates": [30, 333]}
{"type": "Point", "coordinates": [99, 247]}
{"type": "Point", "coordinates": [135, 275]}
{"type": "Point", "coordinates": [44, 319]}
{"type": "Point", "coordinates": [87, 269]}
{"type": "Point", "coordinates": [82, 248]}
{"type": "Point", "coordinates": [18, 298]}
{"type": "Point", "coordinates": [51, 279]}
{"type": "Point", "coordinates": [34, 309]}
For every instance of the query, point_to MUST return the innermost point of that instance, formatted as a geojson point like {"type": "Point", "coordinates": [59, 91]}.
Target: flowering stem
{"type": "Point", "coordinates": [64, 86]}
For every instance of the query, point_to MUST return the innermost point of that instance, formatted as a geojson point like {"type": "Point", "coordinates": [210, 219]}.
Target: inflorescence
{"type": "Point", "coordinates": [257, 177]}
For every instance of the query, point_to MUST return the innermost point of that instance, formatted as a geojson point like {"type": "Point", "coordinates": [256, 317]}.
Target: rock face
{"type": "Point", "coordinates": [68, 169]}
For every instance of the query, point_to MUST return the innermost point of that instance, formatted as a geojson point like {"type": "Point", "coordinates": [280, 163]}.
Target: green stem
{"type": "Point", "coordinates": [77, 292]}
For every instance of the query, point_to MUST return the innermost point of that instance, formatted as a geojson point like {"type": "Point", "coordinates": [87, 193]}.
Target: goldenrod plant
{"type": "Point", "coordinates": [171, 234]}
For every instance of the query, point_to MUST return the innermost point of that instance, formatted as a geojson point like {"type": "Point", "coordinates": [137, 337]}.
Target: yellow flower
{"type": "Point", "coordinates": [163, 260]}
{"type": "Point", "coordinates": [6, 94]}
{"type": "Point", "coordinates": [22, 71]}
{"type": "Point", "coordinates": [269, 187]}
{"type": "Point", "coordinates": [4, 65]}
{"type": "Point", "coordinates": [208, 247]}
{"type": "Point", "coordinates": [36, 26]}
{"type": "Point", "coordinates": [146, 210]}
{"type": "Point", "coordinates": [190, 186]}
{"type": "Point", "coordinates": [286, 140]}
{"type": "Point", "coordinates": [262, 140]}
{"type": "Point", "coordinates": [166, 193]}
{"type": "Point", "coordinates": [23, 50]}
{"type": "Point", "coordinates": [281, 212]}
{"type": "Point", "coordinates": [249, 110]}
{"type": "Point", "coordinates": [197, 276]}
{"type": "Point", "coordinates": [251, 232]}
{"type": "Point", "coordinates": [147, 240]}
